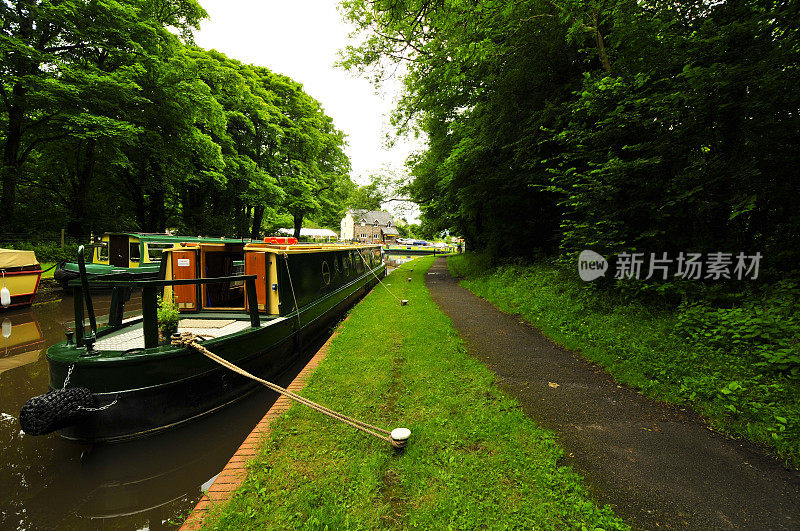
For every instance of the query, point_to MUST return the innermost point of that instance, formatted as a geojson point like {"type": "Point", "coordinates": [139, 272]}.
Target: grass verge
{"type": "Point", "coordinates": [48, 265]}
{"type": "Point", "coordinates": [639, 346]}
{"type": "Point", "coordinates": [474, 460]}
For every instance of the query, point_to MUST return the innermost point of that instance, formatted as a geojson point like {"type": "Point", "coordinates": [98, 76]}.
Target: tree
{"type": "Point", "coordinates": [314, 165]}
{"type": "Point", "coordinates": [658, 126]}
{"type": "Point", "coordinates": [63, 67]}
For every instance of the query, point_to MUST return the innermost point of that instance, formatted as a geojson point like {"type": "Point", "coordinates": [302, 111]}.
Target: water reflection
{"type": "Point", "coordinates": [393, 261]}
{"type": "Point", "coordinates": [21, 340]}
{"type": "Point", "coordinates": [48, 482]}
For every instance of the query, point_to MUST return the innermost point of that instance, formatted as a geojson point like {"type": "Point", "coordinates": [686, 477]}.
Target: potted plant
{"type": "Point", "coordinates": [168, 318]}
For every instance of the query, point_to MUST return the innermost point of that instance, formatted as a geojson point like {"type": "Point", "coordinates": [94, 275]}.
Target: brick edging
{"type": "Point", "coordinates": [235, 471]}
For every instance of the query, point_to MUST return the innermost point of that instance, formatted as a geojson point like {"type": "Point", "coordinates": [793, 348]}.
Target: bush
{"type": "Point", "coordinates": [765, 327]}
{"type": "Point", "coordinates": [48, 251]}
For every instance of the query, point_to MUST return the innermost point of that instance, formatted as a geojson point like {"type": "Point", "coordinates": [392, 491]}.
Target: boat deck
{"type": "Point", "coordinates": [133, 337]}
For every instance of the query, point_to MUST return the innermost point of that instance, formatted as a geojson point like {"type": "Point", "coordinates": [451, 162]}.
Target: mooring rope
{"type": "Point", "coordinates": [398, 438]}
{"type": "Point", "coordinates": [49, 268]}
{"type": "Point", "coordinates": [379, 280]}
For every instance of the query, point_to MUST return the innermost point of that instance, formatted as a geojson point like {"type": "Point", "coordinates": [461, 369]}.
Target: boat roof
{"type": "Point", "coordinates": [15, 258]}
{"type": "Point", "coordinates": [296, 248]}
{"type": "Point", "coordinates": [172, 238]}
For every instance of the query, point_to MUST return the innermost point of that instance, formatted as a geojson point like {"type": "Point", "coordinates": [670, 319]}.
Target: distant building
{"type": "Point", "coordinates": [368, 226]}
{"type": "Point", "coordinates": [314, 234]}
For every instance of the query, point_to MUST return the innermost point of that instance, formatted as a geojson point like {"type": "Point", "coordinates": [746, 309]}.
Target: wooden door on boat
{"type": "Point", "coordinates": [118, 250]}
{"type": "Point", "coordinates": [184, 266]}
{"type": "Point", "coordinates": [255, 263]}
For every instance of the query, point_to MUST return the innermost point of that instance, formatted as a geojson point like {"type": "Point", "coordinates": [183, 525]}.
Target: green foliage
{"type": "Point", "coordinates": [47, 251]}
{"type": "Point", "coordinates": [765, 329]}
{"type": "Point", "coordinates": [730, 379]}
{"type": "Point", "coordinates": [474, 460]}
{"type": "Point", "coordinates": [168, 317]}
{"type": "Point", "coordinates": [567, 124]}
{"type": "Point", "coordinates": [119, 124]}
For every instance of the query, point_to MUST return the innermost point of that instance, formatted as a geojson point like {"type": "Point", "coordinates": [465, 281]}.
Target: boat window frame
{"type": "Point", "coordinates": [134, 252]}
{"type": "Point", "coordinates": [102, 247]}
{"type": "Point", "coordinates": [149, 245]}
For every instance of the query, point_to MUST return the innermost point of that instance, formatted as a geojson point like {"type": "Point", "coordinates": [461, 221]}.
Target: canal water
{"type": "Point", "coordinates": [50, 483]}
{"type": "Point", "coordinates": [393, 261]}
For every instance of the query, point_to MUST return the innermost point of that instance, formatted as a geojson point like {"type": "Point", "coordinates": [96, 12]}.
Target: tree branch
{"type": "Point", "coordinates": [38, 122]}
{"type": "Point", "coordinates": [64, 48]}
{"type": "Point", "coordinates": [33, 144]}
{"type": "Point", "coordinates": [5, 96]}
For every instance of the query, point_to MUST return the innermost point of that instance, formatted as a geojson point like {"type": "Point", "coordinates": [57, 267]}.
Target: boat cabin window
{"type": "Point", "coordinates": [134, 252]}
{"type": "Point", "coordinates": [154, 250]}
{"type": "Point", "coordinates": [229, 294]}
{"type": "Point", "coordinates": [102, 252]}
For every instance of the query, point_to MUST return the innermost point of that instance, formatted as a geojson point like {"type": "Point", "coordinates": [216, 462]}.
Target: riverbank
{"type": "Point", "coordinates": [639, 347]}
{"type": "Point", "coordinates": [49, 288]}
{"type": "Point", "coordinates": [474, 458]}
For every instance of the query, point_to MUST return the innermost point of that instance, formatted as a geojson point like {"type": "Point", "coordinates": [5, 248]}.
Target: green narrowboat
{"type": "Point", "coordinates": [123, 381]}
{"type": "Point", "coordinates": [127, 255]}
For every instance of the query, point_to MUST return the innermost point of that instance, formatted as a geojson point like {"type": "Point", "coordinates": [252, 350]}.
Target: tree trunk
{"type": "Point", "coordinates": [11, 163]}
{"type": "Point", "coordinates": [156, 219]}
{"type": "Point", "coordinates": [190, 208]}
{"type": "Point", "coordinates": [141, 211]}
{"type": "Point", "coordinates": [237, 217]}
{"type": "Point", "coordinates": [84, 174]}
{"type": "Point", "coordinates": [258, 218]}
{"type": "Point", "coordinates": [601, 46]}
{"type": "Point", "coordinates": [9, 195]}
{"type": "Point", "coordinates": [298, 224]}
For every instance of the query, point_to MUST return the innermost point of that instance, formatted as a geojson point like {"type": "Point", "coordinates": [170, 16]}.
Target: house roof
{"type": "Point", "coordinates": [390, 230]}
{"type": "Point", "coordinates": [371, 215]}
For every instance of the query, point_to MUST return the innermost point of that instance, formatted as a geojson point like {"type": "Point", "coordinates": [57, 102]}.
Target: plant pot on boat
{"type": "Point", "coordinates": [168, 318]}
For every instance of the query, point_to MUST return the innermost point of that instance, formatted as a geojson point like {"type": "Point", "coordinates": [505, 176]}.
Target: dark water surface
{"type": "Point", "coordinates": [50, 483]}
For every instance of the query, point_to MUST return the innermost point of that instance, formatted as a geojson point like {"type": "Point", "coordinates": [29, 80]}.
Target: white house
{"type": "Point", "coordinates": [368, 226]}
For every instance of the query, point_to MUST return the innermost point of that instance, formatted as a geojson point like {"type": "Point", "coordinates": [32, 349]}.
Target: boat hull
{"type": "Point", "coordinates": [23, 284]}
{"type": "Point", "coordinates": [140, 411]}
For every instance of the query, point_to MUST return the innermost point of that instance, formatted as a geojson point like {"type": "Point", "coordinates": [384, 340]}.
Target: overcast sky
{"type": "Point", "coordinates": [301, 38]}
